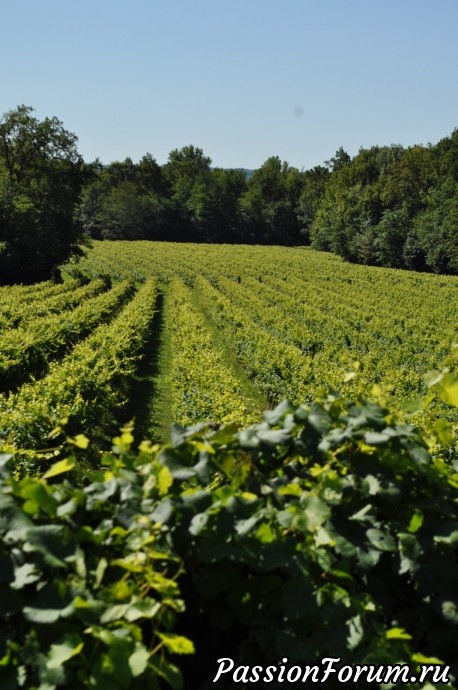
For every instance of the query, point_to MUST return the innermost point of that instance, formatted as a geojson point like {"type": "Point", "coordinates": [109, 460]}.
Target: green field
{"type": "Point", "coordinates": [255, 529]}
{"type": "Point", "coordinates": [192, 333]}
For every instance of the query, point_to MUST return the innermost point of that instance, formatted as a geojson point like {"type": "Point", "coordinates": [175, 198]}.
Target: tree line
{"type": "Point", "coordinates": [188, 200]}
{"type": "Point", "coordinates": [386, 206]}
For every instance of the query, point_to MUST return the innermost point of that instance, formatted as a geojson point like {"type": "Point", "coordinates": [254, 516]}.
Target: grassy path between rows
{"type": "Point", "coordinates": [151, 404]}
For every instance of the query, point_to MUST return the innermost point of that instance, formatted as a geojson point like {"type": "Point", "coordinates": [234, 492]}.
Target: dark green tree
{"type": "Point", "coordinates": [436, 228]}
{"type": "Point", "coordinates": [313, 186]}
{"type": "Point", "coordinates": [348, 205]}
{"type": "Point", "coordinates": [188, 175]}
{"type": "Point", "coordinates": [41, 175]}
{"type": "Point", "coordinates": [149, 176]}
{"type": "Point", "coordinates": [390, 238]}
{"type": "Point", "coordinates": [339, 160]}
{"type": "Point", "coordinates": [367, 211]}
{"type": "Point", "coordinates": [226, 188]}
{"type": "Point", "coordinates": [121, 171]}
{"type": "Point", "coordinates": [122, 215]}
{"type": "Point", "coordinates": [271, 202]}
{"type": "Point", "coordinates": [410, 180]}
{"type": "Point", "coordinates": [125, 200]}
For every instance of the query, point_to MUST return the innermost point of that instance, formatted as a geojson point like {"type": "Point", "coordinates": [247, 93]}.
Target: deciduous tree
{"type": "Point", "coordinates": [41, 174]}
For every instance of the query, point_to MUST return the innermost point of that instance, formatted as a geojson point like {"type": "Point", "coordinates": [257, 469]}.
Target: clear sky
{"type": "Point", "coordinates": [241, 79]}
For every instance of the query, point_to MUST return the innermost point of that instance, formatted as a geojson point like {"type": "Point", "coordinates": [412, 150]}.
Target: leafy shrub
{"type": "Point", "coordinates": [324, 531]}
{"type": "Point", "coordinates": [88, 590]}
{"type": "Point", "coordinates": [333, 534]}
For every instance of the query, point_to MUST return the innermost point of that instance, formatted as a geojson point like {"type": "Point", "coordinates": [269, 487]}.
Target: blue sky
{"type": "Point", "coordinates": [241, 79]}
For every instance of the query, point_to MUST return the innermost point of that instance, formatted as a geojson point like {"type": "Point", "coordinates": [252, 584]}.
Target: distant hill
{"type": "Point", "coordinates": [247, 171]}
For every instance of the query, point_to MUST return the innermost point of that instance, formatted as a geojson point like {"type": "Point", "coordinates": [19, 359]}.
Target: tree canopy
{"type": "Point", "coordinates": [41, 175]}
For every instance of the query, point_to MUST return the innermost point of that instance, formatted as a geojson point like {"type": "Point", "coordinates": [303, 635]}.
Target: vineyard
{"type": "Point", "coordinates": [237, 331]}
{"type": "Point", "coordinates": [141, 335]}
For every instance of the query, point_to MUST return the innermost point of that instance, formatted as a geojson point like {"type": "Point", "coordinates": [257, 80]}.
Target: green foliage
{"type": "Point", "coordinates": [333, 527]}
{"type": "Point", "coordinates": [297, 322]}
{"type": "Point", "coordinates": [86, 389]}
{"type": "Point", "coordinates": [327, 530]}
{"type": "Point", "coordinates": [20, 310]}
{"type": "Point", "coordinates": [202, 385]}
{"type": "Point", "coordinates": [313, 187]}
{"type": "Point", "coordinates": [122, 214]}
{"type": "Point", "coordinates": [392, 207]}
{"type": "Point", "coordinates": [28, 350]}
{"type": "Point", "coordinates": [269, 206]}
{"type": "Point", "coordinates": [436, 227]}
{"type": "Point", "coordinates": [41, 175]}
{"type": "Point", "coordinates": [190, 181]}
{"type": "Point", "coordinates": [88, 585]}
{"type": "Point", "coordinates": [126, 201]}
{"type": "Point", "coordinates": [388, 206]}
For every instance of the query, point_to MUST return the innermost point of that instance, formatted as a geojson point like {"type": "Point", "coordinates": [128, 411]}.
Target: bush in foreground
{"type": "Point", "coordinates": [325, 531]}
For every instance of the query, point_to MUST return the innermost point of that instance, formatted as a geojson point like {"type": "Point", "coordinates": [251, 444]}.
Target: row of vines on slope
{"type": "Point", "coordinates": [86, 388]}
{"type": "Point", "coordinates": [19, 312]}
{"type": "Point", "coordinates": [203, 386]}
{"type": "Point", "coordinates": [28, 350]}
